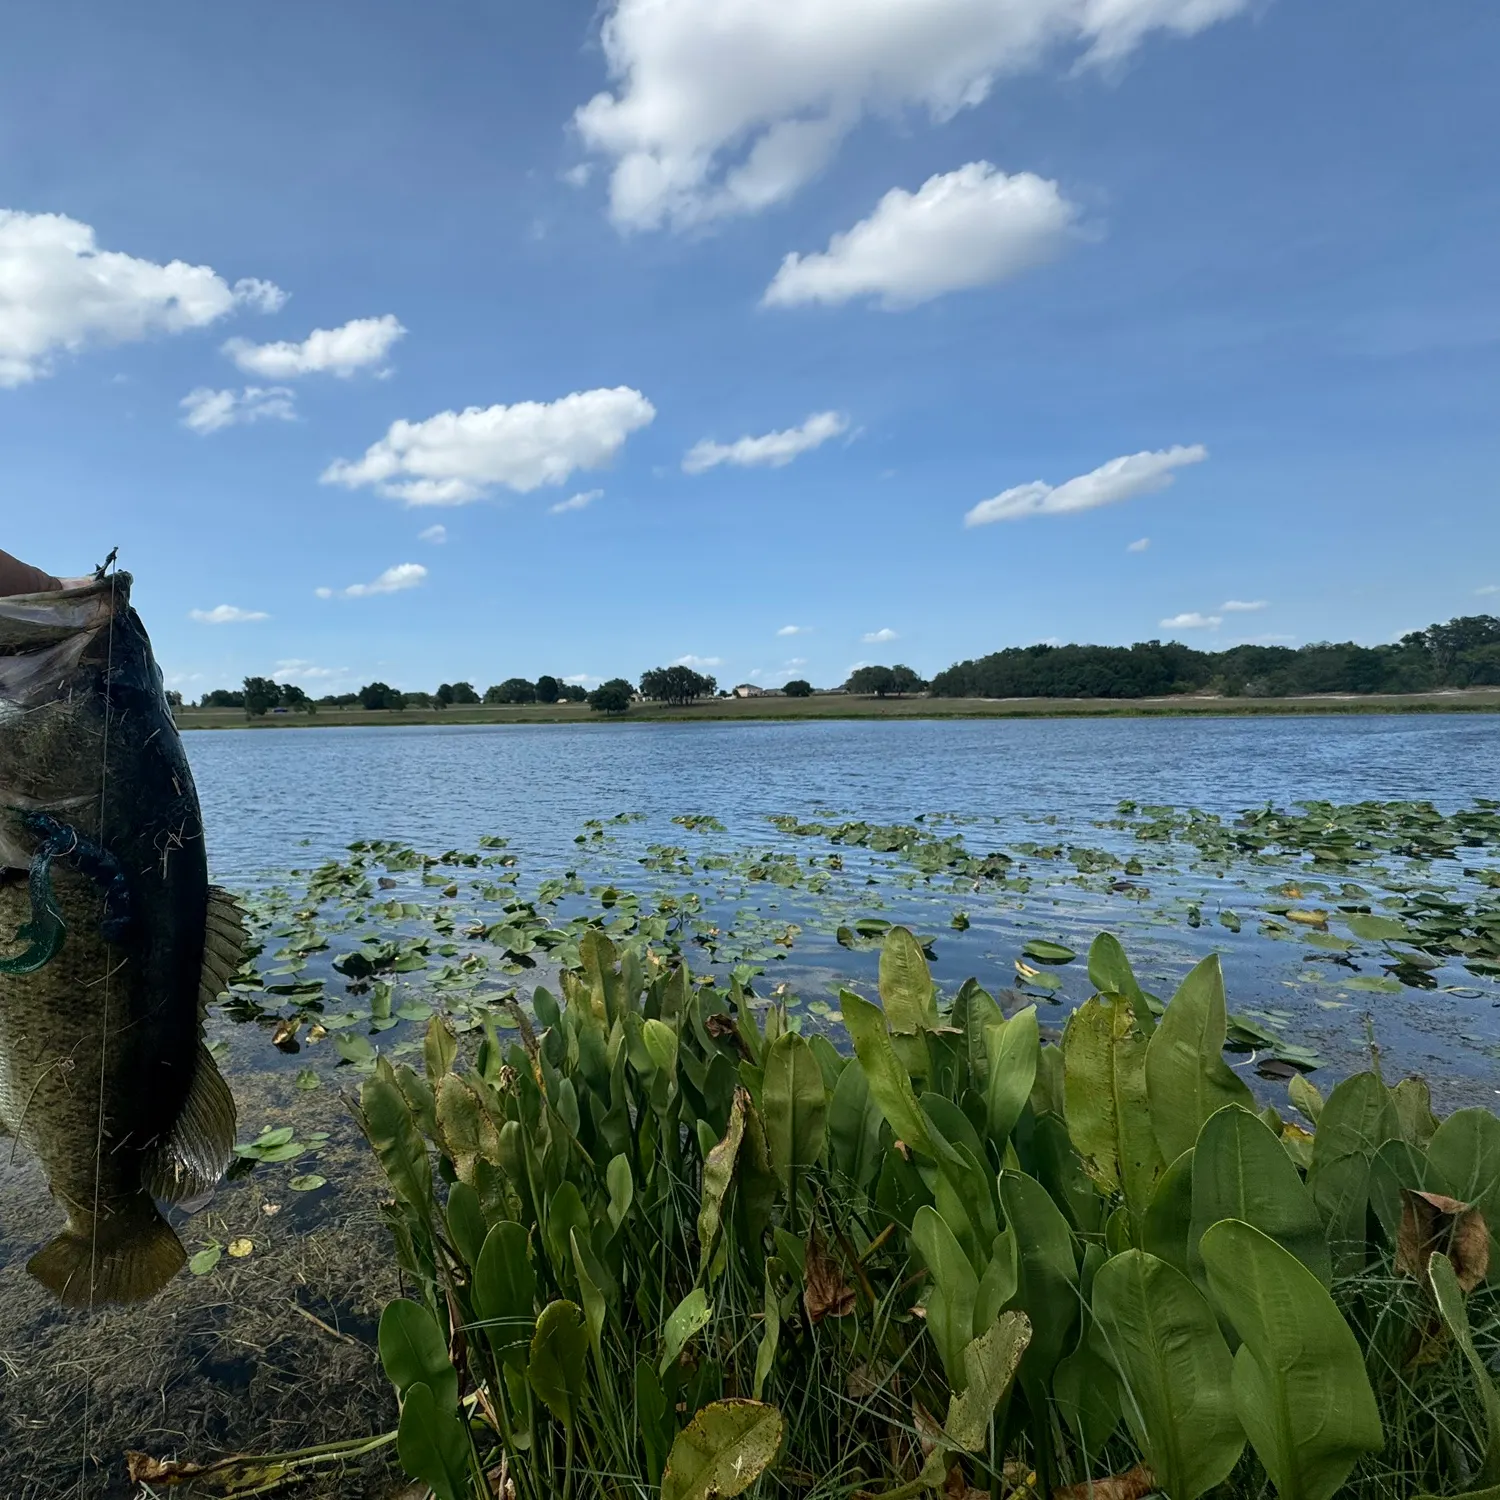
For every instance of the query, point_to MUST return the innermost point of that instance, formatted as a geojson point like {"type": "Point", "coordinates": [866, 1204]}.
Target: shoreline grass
{"type": "Point", "coordinates": [845, 706]}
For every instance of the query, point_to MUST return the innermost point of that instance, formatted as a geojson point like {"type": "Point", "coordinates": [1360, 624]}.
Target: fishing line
{"type": "Point", "coordinates": [109, 670]}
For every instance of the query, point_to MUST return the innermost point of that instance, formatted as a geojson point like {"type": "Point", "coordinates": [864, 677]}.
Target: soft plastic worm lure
{"type": "Point", "coordinates": [45, 932]}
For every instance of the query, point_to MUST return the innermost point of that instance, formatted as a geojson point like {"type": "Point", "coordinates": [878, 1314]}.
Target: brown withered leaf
{"type": "Point", "coordinates": [930, 1434]}
{"type": "Point", "coordinates": [1131, 1485]}
{"type": "Point", "coordinates": [1434, 1225]}
{"type": "Point", "coordinates": [957, 1487]}
{"type": "Point", "coordinates": [238, 1474]}
{"type": "Point", "coordinates": [825, 1292]}
{"type": "Point", "coordinates": [285, 1035]}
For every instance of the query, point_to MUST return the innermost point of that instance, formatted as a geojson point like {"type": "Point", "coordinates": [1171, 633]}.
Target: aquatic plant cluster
{"type": "Point", "coordinates": [663, 1243]}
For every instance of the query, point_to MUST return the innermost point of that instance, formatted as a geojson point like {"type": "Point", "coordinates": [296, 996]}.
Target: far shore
{"type": "Point", "coordinates": [846, 706]}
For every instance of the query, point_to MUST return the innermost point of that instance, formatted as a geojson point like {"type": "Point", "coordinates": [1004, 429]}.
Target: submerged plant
{"type": "Point", "coordinates": [664, 1244]}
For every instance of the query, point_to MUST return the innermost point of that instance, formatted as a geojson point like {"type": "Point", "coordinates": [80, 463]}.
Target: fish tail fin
{"type": "Point", "coordinates": [119, 1257]}
{"type": "Point", "coordinates": [189, 1161]}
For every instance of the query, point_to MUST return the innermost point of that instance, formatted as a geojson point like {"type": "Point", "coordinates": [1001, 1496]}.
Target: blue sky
{"type": "Point", "coordinates": [1248, 249]}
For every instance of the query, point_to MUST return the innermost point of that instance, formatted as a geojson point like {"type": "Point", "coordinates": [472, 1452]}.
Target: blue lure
{"type": "Point", "coordinates": [45, 932]}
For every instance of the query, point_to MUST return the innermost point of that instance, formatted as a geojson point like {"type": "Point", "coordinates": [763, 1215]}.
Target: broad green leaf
{"type": "Point", "coordinates": [1108, 1110]}
{"type": "Point", "coordinates": [1241, 1171]}
{"type": "Point", "coordinates": [795, 1106]}
{"type": "Point", "coordinates": [989, 1363]}
{"type": "Point", "coordinates": [1011, 1051]}
{"type": "Point", "coordinates": [466, 1227]}
{"type": "Point", "coordinates": [854, 1128]}
{"type": "Point", "coordinates": [1086, 1393]}
{"type": "Point", "coordinates": [686, 1320]}
{"type": "Point", "coordinates": [1166, 1229]}
{"type": "Point", "coordinates": [1187, 1079]}
{"type": "Point", "coordinates": [432, 1444]}
{"type": "Point", "coordinates": [1356, 1121]}
{"type": "Point", "coordinates": [397, 1143]}
{"type": "Point", "coordinates": [906, 988]}
{"type": "Point", "coordinates": [661, 1043]}
{"type": "Point", "coordinates": [1047, 1290]}
{"type": "Point", "coordinates": [1305, 1096]}
{"type": "Point", "coordinates": [718, 1174]}
{"type": "Point", "coordinates": [504, 1291]}
{"type": "Point", "coordinates": [591, 1284]}
{"type": "Point", "coordinates": [770, 1335]}
{"type": "Point", "coordinates": [1450, 1303]}
{"type": "Point", "coordinates": [558, 1349]}
{"type": "Point", "coordinates": [725, 1448]}
{"type": "Point", "coordinates": [621, 1190]}
{"type": "Point", "coordinates": [1377, 929]}
{"type": "Point", "coordinates": [1464, 1155]}
{"type": "Point", "coordinates": [1413, 1100]}
{"type": "Point", "coordinates": [1109, 969]}
{"type": "Point", "coordinates": [1045, 952]}
{"type": "Point", "coordinates": [954, 1291]}
{"type": "Point", "coordinates": [1161, 1337]}
{"type": "Point", "coordinates": [889, 1082]}
{"type": "Point", "coordinates": [439, 1050]}
{"type": "Point", "coordinates": [413, 1349]}
{"type": "Point", "coordinates": [1300, 1388]}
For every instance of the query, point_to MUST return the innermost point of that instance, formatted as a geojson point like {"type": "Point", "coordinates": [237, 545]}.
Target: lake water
{"type": "Point", "coordinates": [277, 800]}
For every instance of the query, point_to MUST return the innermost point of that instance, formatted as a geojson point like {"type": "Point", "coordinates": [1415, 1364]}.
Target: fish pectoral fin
{"type": "Point", "coordinates": [224, 942]}
{"type": "Point", "coordinates": [120, 1257]}
{"type": "Point", "coordinates": [190, 1161]}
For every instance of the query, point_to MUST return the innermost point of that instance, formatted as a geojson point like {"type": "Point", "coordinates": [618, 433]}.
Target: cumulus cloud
{"type": "Point", "coordinates": [698, 661]}
{"type": "Point", "coordinates": [583, 679]}
{"type": "Point", "coordinates": [59, 292]}
{"type": "Point", "coordinates": [458, 457]}
{"type": "Point", "coordinates": [878, 637]}
{"type": "Point", "coordinates": [227, 614]}
{"type": "Point", "coordinates": [1119, 479]}
{"type": "Point", "coordinates": [794, 630]}
{"type": "Point", "coordinates": [1487, 589]}
{"type": "Point", "coordinates": [719, 107]}
{"type": "Point", "coordinates": [436, 535]}
{"type": "Point", "coordinates": [774, 450]}
{"type": "Point", "coordinates": [355, 345]}
{"type": "Point", "coordinates": [1192, 620]}
{"type": "Point", "coordinates": [299, 670]}
{"type": "Point", "coordinates": [1140, 544]}
{"type": "Point", "coordinates": [207, 410]}
{"type": "Point", "coordinates": [1242, 606]}
{"type": "Point", "coordinates": [580, 501]}
{"type": "Point", "coordinates": [959, 230]}
{"type": "Point", "coordinates": [392, 581]}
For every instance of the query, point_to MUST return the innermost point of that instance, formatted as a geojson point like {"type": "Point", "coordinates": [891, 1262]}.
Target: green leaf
{"type": "Point", "coordinates": [206, 1259]}
{"type": "Point", "coordinates": [1048, 953]}
{"type": "Point", "coordinates": [1011, 1051]}
{"type": "Point", "coordinates": [725, 1448]}
{"type": "Point", "coordinates": [1377, 929]}
{"type": "Point", "coordinates": [1162, 1339]}
{"type": "Point", "coordinates": [397, 1143]}
{"type": "Point", "coordinates": [432, 1444]}
{"type": "Point", "coordinates": [1241, 1171]}
{"type": "Point", "coordinates": [889, 1082]}
{"type": "Point", "coordinates": [990, 1363]}
{"type": "Point", "coordinates": [558, 1349]}
{"type": "Point", "coordinates": [1109, 969]}
{"type": "Point", "coordinates": [718, 1173]}
{"type": "Point", "coordinates": [661, 1043]}
{"type": "Point", "coordinates": [466, 1226]}
{"type": "Point", "coordinates": [1047, 1283]}
{"type": "Point", "coordinates": [1464, 1155]}
{"type": "Point", "coordinates": [1357, 1120]}
{"type": "Point", "coordinates": [906, 988]}
{"type": "Point", "coordinates": [770, 1336]}
{"type": "Point", "coordinates": [1450, 1304]}
{"type": "Point", "coordinates": [504, 1291]}
{"type": "Point", "coordinates": [795, 1106]}
{"type": "Point", "coordinates": [954, 1291]}
{"type": "Point", "coordinates": [1187, 1079]}
{"type": "Point", "coordinates": [854, 1128]}
{"type": "Point", "coordinates": [1300, 1388]}
{"type": "Point", "coordinates": [413, 1349]}
{"type": "Point", "coordinates": [687, 1319]}
{"type": "Point", "coordinates": [621, 1190]}
{"type": "Point", "coordinates": [1305, 1096]}
{"type": "Point", "coordinates": [439, 1050]}
{"type": "Point", "coordinates": [1166, 1230]}
{"type": "Point", "coordinates": [591, 1283]}
{"type": "Point", "coordinates": [307, 1182]}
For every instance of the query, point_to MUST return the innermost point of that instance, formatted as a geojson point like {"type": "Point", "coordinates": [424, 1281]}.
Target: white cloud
{"type": "Point", "coordinates": [1192, 620]}
{"type": "Point", "coordinates": [436, 535]}
{"type": "Point", "coordinates": [338, 351]}
{"type": "Point", "coordinates": [698, 661]}
{"type": "Point", "coordinates": [211, 411]}
{"type": "Point", "coordinates": [392, 581]}
{"type": "Point", "coordinates": [575, 502]}
{"type": "Point", "coordinates": [583, 679]}
{"type": "Point", "coordinates": [794, 662]}
{"type": "Point", "coordinates": [1119, 479]}
{"type": "Point", "coordinates": [1242, 606]}
{"type": "Point", "coordinates": [879, 637]}
{"type": "Point", "coordinates": [961, 229]}
{"type": "Point", "coordinates": [774, 450]}
{"type": "Point", "coordinates": [457, 457]}
{"type": "Point", "coordinates": [1487, 589]}
{"type": "Point", "coordinates": [578, 176]}
{"type": "Point", "coordinates": [227, 614]}
{"type": "Point", "coordinates": [723, 107]}
{"type": "Point", "coordinates": [60, 292]}
{"type": "Point", "coordinates": [1140, 544]}
{"type": "Point", "coordinates": [305, 671]}
{"type": "Point", "coordinates": [794, 630]}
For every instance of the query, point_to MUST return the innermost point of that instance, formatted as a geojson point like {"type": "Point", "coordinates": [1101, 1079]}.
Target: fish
{"type": "Point", "coordinates": [113, 943]}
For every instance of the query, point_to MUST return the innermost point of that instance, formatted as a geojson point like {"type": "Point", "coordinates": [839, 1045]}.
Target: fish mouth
{"type": "Point", "coordinates": [29, 622]}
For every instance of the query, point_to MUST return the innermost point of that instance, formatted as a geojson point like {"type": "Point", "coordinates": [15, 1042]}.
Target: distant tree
{"type": "Point", "coordinates": [462, 692]}
{"type": "Point", "coordinates": [515, 690]}
{"type": "Point", "coordinates": [260, 695]}
{"type": "Point", "coordinates": [492, 694]}
{"type": "Point", "coordinates": [798, 687]}
{"type": "Point", "coordinates": [293, 697]}
{"type": "Point", "coordinates": [418, 700]}
{"type": "Point", "coordinates": [904, 680]}
{"type": "Point", "coordinates": [877, 680]}
{"type": "Point", "coordinates": [547, 689]}
{"type": "Point", "coordinates": [377, 695]}
{"type": "Point", "coordinates": [339, 700]}
{"type": "Point", "coordinates": [444, 695]}
{"type": "Point", "coordinates": [174, 698]}
{"type": "Point", "coordinates": [222, 698]}
{"type": "Point", "coordinates": [677, 685]}
{"type": "Point", "coordinates": [612, 697]}
{"type": "Point", "coordinates": [572, 692]}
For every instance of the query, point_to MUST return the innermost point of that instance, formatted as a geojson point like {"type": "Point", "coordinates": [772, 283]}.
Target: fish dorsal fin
{"type": "Point", "coordinates": [224, 941]}
{"type": "Point", "coordinates": [190, 1161]}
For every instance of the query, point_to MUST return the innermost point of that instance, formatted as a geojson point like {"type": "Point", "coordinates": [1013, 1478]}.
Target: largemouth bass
{"type": "Point", "coordinates": [112, 942]}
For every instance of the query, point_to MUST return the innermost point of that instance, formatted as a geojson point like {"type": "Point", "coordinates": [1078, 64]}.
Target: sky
{"type": "Point", "coordinates": [474, 339]}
